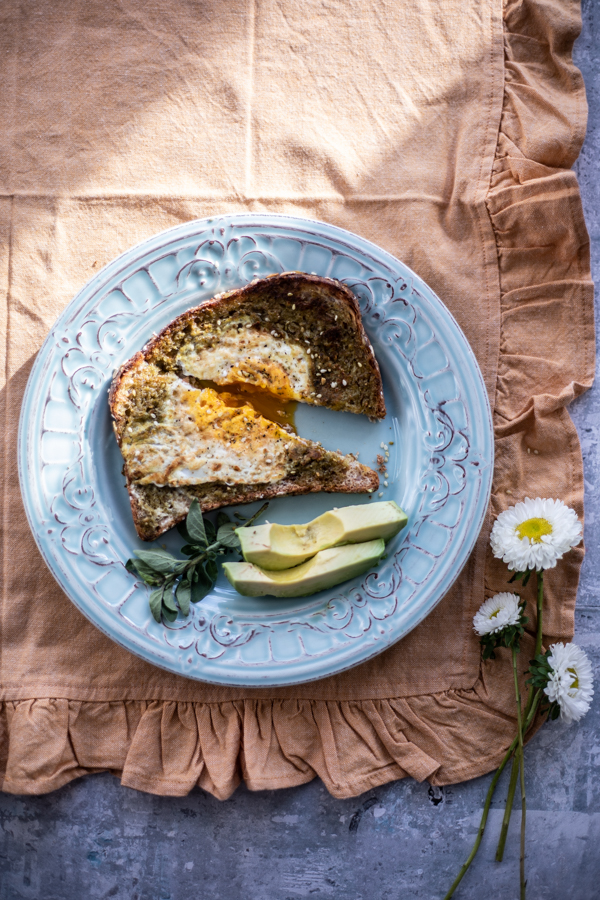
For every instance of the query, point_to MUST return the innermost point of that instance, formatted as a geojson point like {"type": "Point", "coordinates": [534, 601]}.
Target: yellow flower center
{"type": "Point", "coordinates": [534, 529]}
{"type": "Point", "coordinates": [575, 682]}
{"type": "Point", "coordinates": [494, 614]}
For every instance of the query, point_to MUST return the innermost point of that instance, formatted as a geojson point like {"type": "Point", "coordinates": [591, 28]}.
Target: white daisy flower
{"type": "Point", "coordinates": [535, 534]}
{"type": "Point", "coordinates": [570, 682]}
{"type": "Point", "coordinates": [497, 613]}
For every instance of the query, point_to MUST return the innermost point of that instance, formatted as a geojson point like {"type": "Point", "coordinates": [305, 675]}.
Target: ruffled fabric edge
{"type": "Point", "coordinates": [169, 747]}
{"type": "Point", "coordinates": [546, 359]}
{"type": "Point", "coordinates": [547, 348]}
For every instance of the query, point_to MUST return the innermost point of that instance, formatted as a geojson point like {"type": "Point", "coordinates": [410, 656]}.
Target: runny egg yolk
{"type": "Point", "coordinates": [275, 409]}
{"type": "Point", "coordinates": [228, 416]}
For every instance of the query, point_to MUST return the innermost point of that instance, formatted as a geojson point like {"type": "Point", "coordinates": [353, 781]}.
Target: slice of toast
{"type": "Point", "coordinates": [182, 440]}
{"type": "Point", "coordinates": [297, 336]}
{"type": "Point", "coordinates": [156, 509]}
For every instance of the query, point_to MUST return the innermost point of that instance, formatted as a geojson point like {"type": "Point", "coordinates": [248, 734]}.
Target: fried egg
{"type": "Point", "coordinates": [243, 354]}
{"type": "Point", "coordinates": [196, 436]}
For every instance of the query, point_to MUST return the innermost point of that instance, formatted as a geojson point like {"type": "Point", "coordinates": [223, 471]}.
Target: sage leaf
{"type": "Point", "coordinates": [184, 596]}
{"type": "Point", "coordinates": [227, 536]}
{"type": "Point", "coordinates": [159, 560]}
{"type": "Point", "coordinates": [200, 589]}
{"type": "Point", "coordinates": [211, 532]}
{"type": "Point", "coordinates": [195, 525]}
{"type": "Point", "coordinates": [169, 615]}
{"type": "Point", "coordinates": [141, 570]}
{"type": "Point", "coordinates": [156, 603]}
{"type": "Point", "coordinates": [222, 519]}
{"type": "Point", "coordinates": [169, 602]}
{"type": "Point", "coordinates": [201, 576]}
{"type": "Point", "coordinates": [189, 550]}
{"type": "Point", "coordinates": [211, 569]}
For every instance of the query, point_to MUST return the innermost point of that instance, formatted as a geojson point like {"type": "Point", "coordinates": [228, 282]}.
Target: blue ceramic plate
{"type": "Point", "coordinates": [438, 430]}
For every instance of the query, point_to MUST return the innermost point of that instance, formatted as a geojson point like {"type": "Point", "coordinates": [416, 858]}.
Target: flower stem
{"type": "Point", "coordinates": [482, 824]}
{"type": "Point", "coordinates": [520, 755]}
{"type": "Point", "coordinates": [490, 794]}
{"type": "Point", "coordinates": [523, 820]}
{"type": "Point", "coordinates": [512, 786]}
{"type": "Point", "coordinates": [514, 774]}
{"type": "Point", "coordinates": [540, 602]}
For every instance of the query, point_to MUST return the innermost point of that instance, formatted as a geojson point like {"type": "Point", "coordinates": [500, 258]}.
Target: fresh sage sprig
{"type": "Point", "coordinates": [176, 582]}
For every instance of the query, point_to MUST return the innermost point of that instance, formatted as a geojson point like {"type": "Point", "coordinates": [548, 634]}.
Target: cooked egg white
{"type": "Point", "coordinates": [245, 355]}
{"type": "Point", "coordinates": [195, 438]}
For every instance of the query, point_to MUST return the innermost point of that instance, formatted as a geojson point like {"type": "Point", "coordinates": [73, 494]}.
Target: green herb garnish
{"type": "Point", "coordinates": [178, 582]}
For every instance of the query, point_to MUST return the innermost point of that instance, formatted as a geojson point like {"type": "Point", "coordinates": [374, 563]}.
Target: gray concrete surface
{"type": "Point", "coordinates": [95, 839]}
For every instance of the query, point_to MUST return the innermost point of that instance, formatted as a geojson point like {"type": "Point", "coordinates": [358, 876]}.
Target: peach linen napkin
{"type": "Point", "coordinates": [442, 130]}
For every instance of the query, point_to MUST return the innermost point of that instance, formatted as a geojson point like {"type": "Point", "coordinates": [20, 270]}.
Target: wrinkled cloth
{"type": "Point", "coordinates": [442, 130]}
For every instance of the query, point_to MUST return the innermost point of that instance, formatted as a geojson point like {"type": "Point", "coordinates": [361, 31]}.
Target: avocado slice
{"type": "Point", "coordinates": [324, 570]}
{"type": "Point", "coordinates": [278, 547]}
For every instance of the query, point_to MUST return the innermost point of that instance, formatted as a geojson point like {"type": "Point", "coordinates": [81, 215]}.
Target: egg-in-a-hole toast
{"type": "Point", "coordinates": [187, 408]}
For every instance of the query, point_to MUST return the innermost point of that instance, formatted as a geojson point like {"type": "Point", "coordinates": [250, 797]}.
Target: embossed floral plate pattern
{"type": "Point", "coordinates": [438, 433]}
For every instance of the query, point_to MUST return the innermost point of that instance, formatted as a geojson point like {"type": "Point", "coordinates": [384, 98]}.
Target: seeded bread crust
{"type": "Point", "coordinates": [293, 304]}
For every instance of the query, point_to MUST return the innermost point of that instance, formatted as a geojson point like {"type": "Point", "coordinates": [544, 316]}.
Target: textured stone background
{"type": "Point", "coordinates": [95, 839]}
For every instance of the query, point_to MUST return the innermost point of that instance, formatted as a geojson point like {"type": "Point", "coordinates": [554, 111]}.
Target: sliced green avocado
{"type": "Point", "coordinates": [327, 568]}
{"type": "Point", "coordinates": [278, 547]}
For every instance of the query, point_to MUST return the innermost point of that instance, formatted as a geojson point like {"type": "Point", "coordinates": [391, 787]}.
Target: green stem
{"type": "Point", "coordinates": [510, 798]}
{"type": "Point", "coordinates": [514, 774]}
{"type": "Point", "coordinates": [488, 799]}
{"type": "Point", "coordinates": [482, 824]}
{"type": "Point", "coordinates": [540, 602]}
{"type": "Point", "coordinates": [523, 818]}
{"type": "Point", "coordinates": [520, 754]}
{"type": "Point", "coordinates": [216, 546]}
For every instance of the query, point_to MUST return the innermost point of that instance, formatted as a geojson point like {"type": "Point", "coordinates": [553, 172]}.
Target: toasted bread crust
{"type": "Point", "coordinates": [114, 398]}
{"type": "Point", "coordinates": [175, 502]}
